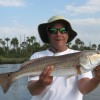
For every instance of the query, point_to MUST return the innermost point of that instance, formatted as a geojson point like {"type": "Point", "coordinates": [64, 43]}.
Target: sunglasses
{"type": "Point", "coordinates": [55, 30]}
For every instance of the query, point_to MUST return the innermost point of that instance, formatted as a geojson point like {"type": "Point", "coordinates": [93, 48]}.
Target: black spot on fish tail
{"type": "Point", "coordinates": [8, 75]}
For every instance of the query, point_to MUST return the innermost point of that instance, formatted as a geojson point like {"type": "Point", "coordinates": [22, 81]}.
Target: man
{"type": "Point", "coordinates": [58, 32]}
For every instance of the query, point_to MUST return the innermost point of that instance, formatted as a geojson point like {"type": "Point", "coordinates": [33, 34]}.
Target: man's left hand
{"type": "Point", "coordinates": [97, 73]}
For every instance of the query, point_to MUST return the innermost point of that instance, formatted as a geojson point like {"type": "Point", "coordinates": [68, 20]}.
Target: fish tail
{"type": "Point", "coordinates": [5, 81]}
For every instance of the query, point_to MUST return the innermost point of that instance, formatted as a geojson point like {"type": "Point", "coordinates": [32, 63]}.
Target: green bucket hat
{"type": "Point", "coordinates": [42, 28]}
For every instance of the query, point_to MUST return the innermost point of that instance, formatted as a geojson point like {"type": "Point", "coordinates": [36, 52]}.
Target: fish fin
{"type": "Point", "coordinates": [5, 81]}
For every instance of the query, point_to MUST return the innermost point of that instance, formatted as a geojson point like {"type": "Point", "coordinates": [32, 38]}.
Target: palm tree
{"type": "Point", "coordinates": [14, 42]}
{"type": "Point", "coordinates": [75, 47]}
{"type": "Point", "coordinates": [33, 39]}
{"type": "Point", "coordinates": [0, 42]}
{"type": "Point", "coordinates": [94, 46]}
{"type": "Point", "coordinates": [69, 44]}
{"type": "Point", "coordinates": [28, 40]}
{"type": "Point", "coordinates": [7, 39]}
{"type": "Point", "coordinates": [3, 44]}
{"type": "Point", "coordinates": [77, 42]}
{"type": "Point", "coordinates": [36, 46]}
{"type": "Point", "coordinates": [81, 45]}
{"type": "Point", "coordinates": [23, 44]}
{"type": "Point", "coordinates": [98, 47]}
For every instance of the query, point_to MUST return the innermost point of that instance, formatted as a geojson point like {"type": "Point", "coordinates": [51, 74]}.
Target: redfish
{"type": "Point", "coordinates": [64, 65]}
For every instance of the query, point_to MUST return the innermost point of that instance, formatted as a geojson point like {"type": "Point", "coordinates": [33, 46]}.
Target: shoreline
{"type": "Point", "coordinates": [12, 60]}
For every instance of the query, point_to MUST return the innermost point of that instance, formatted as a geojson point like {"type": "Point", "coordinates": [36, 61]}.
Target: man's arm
{"type": "Point", "coordinates": [86, 85]}
{"type": "Point", "coordinates": [36, 87]}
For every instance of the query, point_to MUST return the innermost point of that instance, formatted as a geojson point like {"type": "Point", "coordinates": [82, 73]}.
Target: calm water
{"type": "Point", "coordinates": [19, 91]}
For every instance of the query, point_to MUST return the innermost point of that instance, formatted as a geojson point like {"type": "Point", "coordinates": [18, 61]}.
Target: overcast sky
{"type": "Point", "coordinates": [21, 17]}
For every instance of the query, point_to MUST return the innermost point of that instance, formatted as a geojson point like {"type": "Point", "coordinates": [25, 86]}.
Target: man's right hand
{"type": "Point", "coordinates": [45, 79]}
{"type": "Point", "coordinates": [37, 86]}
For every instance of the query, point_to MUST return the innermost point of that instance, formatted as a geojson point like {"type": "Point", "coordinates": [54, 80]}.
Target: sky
{"type": "Point", "coordinates": [20, 18]}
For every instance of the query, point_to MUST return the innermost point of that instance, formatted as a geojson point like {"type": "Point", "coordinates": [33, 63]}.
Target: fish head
{"type": "Point", "coordinates": [90, 59]}
{"type": "Point", "coordinates": [95, 59]}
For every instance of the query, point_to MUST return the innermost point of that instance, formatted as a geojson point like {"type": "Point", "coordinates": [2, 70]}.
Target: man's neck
{"type": "Point", "coordinates": [55, 50]}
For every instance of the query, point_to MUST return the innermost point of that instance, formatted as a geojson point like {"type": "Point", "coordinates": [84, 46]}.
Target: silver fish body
{"type": "Point", "coordinates": [65, 65]}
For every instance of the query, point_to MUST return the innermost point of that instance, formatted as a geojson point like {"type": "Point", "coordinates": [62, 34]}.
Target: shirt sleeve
{"type": "Point", "coordinates": [85, 75]}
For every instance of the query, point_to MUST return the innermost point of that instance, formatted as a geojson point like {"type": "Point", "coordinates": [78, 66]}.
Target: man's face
{"type": "Point", "coordinates": [58, 35]}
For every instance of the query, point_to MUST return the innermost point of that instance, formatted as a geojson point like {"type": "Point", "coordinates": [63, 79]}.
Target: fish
{"type": "Point", "coordinates": [64, 65]}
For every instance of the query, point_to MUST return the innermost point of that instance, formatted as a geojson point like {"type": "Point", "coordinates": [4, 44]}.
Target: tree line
{"type": "Point", "coordinates": [12, 48]}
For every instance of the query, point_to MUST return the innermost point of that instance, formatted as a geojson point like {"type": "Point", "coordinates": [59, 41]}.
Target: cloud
{"type": "Point", "coordinates": [16, 3]}
{"type": "Point", "coordinates": [87, 21]}
{"type": "Point", "coordinates": [91, 6]}
{"type": "Point", "coordinates": [14, 31]}
{"type": "Point", "coordinates": [19, 31]}
{"type": "Point", "coordinates": [88, 29]}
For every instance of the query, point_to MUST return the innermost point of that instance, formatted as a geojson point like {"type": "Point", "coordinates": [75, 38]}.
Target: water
{"type": "Point", "coordinates": [19, 91]}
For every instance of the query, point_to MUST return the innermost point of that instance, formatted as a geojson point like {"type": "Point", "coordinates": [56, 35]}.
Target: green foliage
{"type": "Point", "coordinates": [21, 52]}
{"type": "Point", "coordinates": [2, 51]}
{"type": "Point", "coordinates": [12, 60]}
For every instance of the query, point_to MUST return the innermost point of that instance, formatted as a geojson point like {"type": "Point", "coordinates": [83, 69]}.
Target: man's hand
{"type": "Point", "coordinates": [45, 79]}
{"type": "Point", "coordinates": [97, 73]}
{"type": "Point", "coordinates": [87, 85]}
{"type": "Point", "coordinates": [37, 86]}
